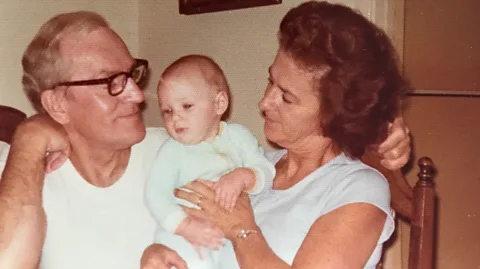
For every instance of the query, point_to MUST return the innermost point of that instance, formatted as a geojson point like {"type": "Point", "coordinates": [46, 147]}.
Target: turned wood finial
{"type": "Point", "coordinates": [427, 170]}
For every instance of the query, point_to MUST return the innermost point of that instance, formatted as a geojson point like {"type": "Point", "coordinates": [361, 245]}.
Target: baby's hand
{"type": "Point", "coordinates": [231, 185]}
{"type": "Point", "coordinates": [201, 232]}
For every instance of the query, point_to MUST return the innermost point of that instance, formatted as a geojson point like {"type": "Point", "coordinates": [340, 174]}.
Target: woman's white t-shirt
{"type": "Point", "coordinates": [285, 216]}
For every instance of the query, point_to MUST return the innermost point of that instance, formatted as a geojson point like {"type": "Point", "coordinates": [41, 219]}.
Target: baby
{"type": "Point", "coordinates": [193, 95]}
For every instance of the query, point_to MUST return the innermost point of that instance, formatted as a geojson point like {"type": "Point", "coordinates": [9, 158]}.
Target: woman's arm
{"type": "Point", "coordinates": [254, 252]}
{"type": "Point", "coordinates": [22, 229]}
{"type": "Point", "coordinates": [343, 238]}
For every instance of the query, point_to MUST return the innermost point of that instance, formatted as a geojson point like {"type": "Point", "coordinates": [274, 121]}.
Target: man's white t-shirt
{"type": "Point", "coordinates": [90, 227]}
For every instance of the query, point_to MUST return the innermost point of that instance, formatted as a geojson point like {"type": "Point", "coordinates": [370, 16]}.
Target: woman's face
{"type": "Point", "coordinates": [291, 105]}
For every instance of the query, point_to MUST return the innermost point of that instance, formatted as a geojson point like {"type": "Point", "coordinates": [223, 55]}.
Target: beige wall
{"type": "Point", "coordinates": [442, 52]}
{"type": "Point", "coordinates": [21, 19]}
{"type": "Point", "coordinates": [448, 130]}
{"type": "Point", "coordinates": [442, 44]}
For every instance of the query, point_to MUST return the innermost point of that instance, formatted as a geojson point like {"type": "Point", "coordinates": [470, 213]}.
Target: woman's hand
{"type": "Point", "coordinates": [158, 256]}
{"type": "Point", "coordinates": [230, 222]}
{"type": "Point", "coordinates": [395, 150]}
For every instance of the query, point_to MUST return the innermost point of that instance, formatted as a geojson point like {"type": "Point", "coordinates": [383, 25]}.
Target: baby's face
{"type": "Point", "coordinates": [189, 110]}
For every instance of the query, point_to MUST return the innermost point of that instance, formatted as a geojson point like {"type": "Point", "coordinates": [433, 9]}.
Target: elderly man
{"type": "Point", "coordinates": [88, 212]}
{"type": "Point", "coordinates": [80, 72]}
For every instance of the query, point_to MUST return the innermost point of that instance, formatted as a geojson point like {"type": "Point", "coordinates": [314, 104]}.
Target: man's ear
{"type": "Point", "coordinates": [221, 102]}
{"type": "Point", "coordinates": [54, 103]}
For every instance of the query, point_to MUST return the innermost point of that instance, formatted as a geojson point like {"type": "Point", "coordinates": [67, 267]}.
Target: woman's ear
{"type": "Point", "coordinates": [221, 102]}
{"type": "Point", "coordinates": [54, 103]}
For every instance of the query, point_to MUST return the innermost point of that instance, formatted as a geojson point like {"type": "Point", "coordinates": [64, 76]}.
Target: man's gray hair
{"type": "Point", "coordinates": [43, 64]}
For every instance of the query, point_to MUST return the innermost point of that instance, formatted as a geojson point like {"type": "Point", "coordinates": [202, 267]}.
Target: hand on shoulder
{"type": "Point", "coordinates": [42, 136]}
{"type": "Point", "coordinates": [395, 150]}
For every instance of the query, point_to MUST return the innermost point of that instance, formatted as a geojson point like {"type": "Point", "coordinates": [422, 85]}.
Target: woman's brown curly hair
{"type": "Point", "coordinates": [362, 89]}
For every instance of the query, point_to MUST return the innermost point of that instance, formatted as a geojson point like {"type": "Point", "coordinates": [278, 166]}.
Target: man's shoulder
{"type": "Point", "coordinates": [154, 137]}
{"type": "Point", "coordinates": [153, 141]}
{"type": "Point", "coordinates": [237, 128]}
{"type": "Point", "coordinates": [157, 131]}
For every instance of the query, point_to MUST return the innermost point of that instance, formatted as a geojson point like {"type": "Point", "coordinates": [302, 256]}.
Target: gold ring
{"type": "Point", "coordinates": [200, 200]}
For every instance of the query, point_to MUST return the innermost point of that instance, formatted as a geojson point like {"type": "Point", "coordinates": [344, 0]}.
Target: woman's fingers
{"type": "Point", "coordinates": [193, 211]}
{"type": "Point", "coordinates": [209, 183]}
{"type": "Point", "coordinates": [200, 188]}
{"type": "Point", "coordinates": [187, 196]}
{"type": "Point", "coordinates": [205, 204]}
{"type": "Point", "coordinates": [240, 216]}
{"type": "Point", "coordinates": [193, 198]}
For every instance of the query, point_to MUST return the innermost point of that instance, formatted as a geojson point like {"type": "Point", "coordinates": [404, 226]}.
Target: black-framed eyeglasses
{"type": "Point", "coordinates": [116, 82]}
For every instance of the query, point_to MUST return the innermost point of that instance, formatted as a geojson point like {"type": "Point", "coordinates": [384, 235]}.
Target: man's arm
{"type": "Point", "coordinates": [22, 229]}
{"type": "Point", "coordinates": [395, 150]}
{"type": "Point", "coordinates": [23, 221]}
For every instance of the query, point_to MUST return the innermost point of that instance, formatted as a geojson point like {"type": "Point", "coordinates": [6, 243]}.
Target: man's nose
{"type": "Point", "coordinates": [132, 93]}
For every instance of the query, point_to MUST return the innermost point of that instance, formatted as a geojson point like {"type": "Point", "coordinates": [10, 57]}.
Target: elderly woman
{"type": "Point", "coordinates": [333, 88]}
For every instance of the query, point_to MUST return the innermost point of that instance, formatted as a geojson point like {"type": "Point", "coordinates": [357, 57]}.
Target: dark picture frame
{"type": "Point", "coordinates": [189, 7]}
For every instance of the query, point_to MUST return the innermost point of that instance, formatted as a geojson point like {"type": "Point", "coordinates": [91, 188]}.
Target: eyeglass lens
{"type": "Point", "coordinates": [118, 83]}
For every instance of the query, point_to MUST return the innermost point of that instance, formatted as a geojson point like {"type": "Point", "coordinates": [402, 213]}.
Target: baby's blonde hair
{"type": "Point", "coordinates": [210, 71]}
{"type": "Point", "coordinates": [206, 66]}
